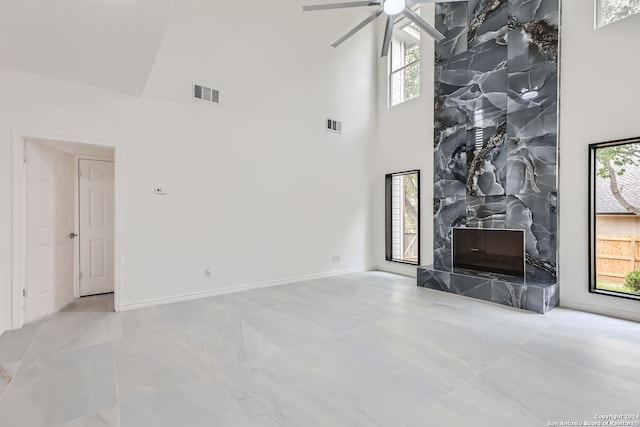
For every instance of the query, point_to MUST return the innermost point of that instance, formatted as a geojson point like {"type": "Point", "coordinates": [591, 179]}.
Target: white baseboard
{"type": "Point", "coordinates": [233, 289]}
{"type": "Point", "coordinates": [605, 311]}
{"type": "Point", "coordinates": [6, 327]}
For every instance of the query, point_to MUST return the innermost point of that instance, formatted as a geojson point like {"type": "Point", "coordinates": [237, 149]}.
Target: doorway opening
{"type": "Point", "coordinates": [65, 242]}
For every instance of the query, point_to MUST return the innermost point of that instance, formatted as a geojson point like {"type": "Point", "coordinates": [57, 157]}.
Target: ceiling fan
{"type": "Point", "coordinates": [389, 7]}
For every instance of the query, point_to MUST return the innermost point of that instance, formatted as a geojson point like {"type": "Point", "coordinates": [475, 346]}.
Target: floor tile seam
{"type": "Point", "coordinates": [189, 343]}
{"type": "Point", "coordinates": [313, 301]}
{"type": "Point", "coordinates": [259, 310]}
{"type": "Point", "coordinates": [445, 396]}
{"type": "Point", "coordinates": [588, 368]}
{"type": "Point", "coordinates": [532, 328]}
{"type": "Point", "coordinates": [21, 361]}
{"type": "Point", "coordinates": [193, 348]}
{"type": "Point", "coordinates": [517, 347]}
{"type": "Point", "coordinates": [467, 381]}
{"type": "Point", "coordinates": [223, 374]}
{"type": "Point", "coordinates": [283, 308]}
{"type": "Point", "coordinates": [356, 328]}
{"type": "Point", "coordinates": [277, 305]}
{"type": "Point", "coordinates": [414, 305]}
{"type": "Point", "coordinates": [369, 303]}
{"type": "Point", "coordinates": [402, 339]}
{"type": "Point", "coordinates": [57, 353]}
{"type": "Point", "coordinates": [393, 315]}
{"type": "Point", "coordinates": [301, 367]}
{"type": "Point", "coordinates": [540, 332]}
{"type": "Point", "coordinates": [563, 319]}
{"type": "Point", "coordinates": [388, 329]}
{"type": "Point", "coordinates": [321, 328]}
{"type": "Point", "coordinates": [254, 330]}
{"type": "Point", "coordinates": [83, 415]}
{"type": "Point", "coordinates": [79, 347]}
{"type": "Point", "coordinates": [442, 398]}
{"type": "Point", "coordinates": [125, 341]}
{"type": "Point", "coordinates": [494, 320]}
{"type": "Point", "coordinates": [88, 414]}
{"type": "Point", "coordinates": [378, 305]}
{"type": "Point", "coordinates": [319, 296]}
{"type": "Point", "coordinates": [356, 406]}
{"type": "Point", "coordinates": [224, 370]}
{"type": "Point", "coordinates": [600, 332]}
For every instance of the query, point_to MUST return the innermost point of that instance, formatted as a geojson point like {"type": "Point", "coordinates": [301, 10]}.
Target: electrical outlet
{"type": "Point", "coordinates": [159, 190]}
{"type": "Point", "coordinates": [336, 258]}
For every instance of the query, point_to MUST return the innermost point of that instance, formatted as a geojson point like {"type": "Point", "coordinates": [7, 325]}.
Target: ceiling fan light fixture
{"type": "Point", "coordinates": [393, 7]}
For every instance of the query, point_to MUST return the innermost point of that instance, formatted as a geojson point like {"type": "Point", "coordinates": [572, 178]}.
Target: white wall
{"type": "Point", "coordinates": [257, 189]}
{"type": "Point", "coordinates": [405, 142]}
{"type": "Point", "coordinates": [598, 102]}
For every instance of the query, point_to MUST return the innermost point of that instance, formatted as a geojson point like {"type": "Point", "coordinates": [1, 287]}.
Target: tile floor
{"type": "Point", "coordinates": [366, 349]}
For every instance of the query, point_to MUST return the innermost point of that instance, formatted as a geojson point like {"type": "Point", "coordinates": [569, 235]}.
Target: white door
{"type": "Point", "coordinates": [50, 224]}
{"type": "Point", "coordinates": [96, 203]}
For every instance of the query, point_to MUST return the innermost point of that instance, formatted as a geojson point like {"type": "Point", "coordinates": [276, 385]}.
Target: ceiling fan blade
{"type": "Point", "coordinates": [358, 27]}
{"type": "Point", "coordinates": [388, 32]}
{"type": "Point", "coordinates": [424, 25]}
{"type": "Point", "coordinates": [339, 5]}
{"type": "Point", "coordinates": [410, 2]}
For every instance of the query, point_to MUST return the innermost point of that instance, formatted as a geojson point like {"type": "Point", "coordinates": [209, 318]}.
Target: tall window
{"type": "Point", "coordinates": [615, 218]}
{"type": "Point", "coordinates": [403, 217]}
{"type": "Point", "coordinates": [404, 76]}
{"type": "Point", "coordinates": [609, 11]}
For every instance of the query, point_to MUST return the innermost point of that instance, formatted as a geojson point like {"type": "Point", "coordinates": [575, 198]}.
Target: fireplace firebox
{"type": "Point", "coordinates": [494, 250]}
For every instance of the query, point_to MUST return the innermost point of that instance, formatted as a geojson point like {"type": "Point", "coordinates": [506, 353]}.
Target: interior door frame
{"type": "Point", "coordinates": [19, 218]}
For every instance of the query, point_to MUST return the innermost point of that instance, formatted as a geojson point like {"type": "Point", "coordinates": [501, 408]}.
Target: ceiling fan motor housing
{"type": "Point", "coordinates": [393, 7]}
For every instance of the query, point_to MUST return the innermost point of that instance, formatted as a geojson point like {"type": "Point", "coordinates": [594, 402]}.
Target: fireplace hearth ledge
{"type": "Point", "coordinates": [493, 287]}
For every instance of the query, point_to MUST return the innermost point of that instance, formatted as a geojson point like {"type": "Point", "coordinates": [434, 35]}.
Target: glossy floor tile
{"type": "Point", "coordinates": [365, 349]}
{"type": "Point", "coordinates": [55, 388]}
{"type": "Point", "coordinates": [13, 348]}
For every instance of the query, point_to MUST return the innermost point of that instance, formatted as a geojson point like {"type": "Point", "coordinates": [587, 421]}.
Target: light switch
{"type": "Point", "coordinates": [159, 190]}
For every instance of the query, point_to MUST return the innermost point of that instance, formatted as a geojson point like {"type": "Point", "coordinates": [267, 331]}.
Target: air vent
{"type": "Point", "coordinates": [206, 94]}
{"type": "Point", "coordinates": [334, 125]}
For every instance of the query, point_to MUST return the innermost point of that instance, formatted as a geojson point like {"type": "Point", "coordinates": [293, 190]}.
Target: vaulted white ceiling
{"type": "Point", "coordinates": [110, 44]}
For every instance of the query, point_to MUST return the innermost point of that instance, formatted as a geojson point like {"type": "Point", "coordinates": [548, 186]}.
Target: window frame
{"type": "Point", "coordinates": [592, 283]}
{"type": "Point", "coordinates": [393, 72]}
{"type": "Point", "coordinates": [389, 217]}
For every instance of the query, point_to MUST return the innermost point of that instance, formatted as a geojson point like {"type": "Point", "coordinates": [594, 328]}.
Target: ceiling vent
{"type": "Point", "coordinates": [206, 94]}
{"type": "Point", "coordinates": [334, 125]}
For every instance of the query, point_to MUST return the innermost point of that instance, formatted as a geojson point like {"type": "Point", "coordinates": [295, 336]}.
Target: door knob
{"type": "Point", "coordinates": [72, 235]}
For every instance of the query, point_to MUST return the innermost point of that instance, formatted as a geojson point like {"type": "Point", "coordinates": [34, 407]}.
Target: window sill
{"type": "Point", "coordinates": [615, 294]}
{"type": "Point", "coordinates": [400, 261]}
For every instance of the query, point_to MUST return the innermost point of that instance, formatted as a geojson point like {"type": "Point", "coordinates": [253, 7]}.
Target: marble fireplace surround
{"type": "Point", "coordinates": [495, 142]}
{"type": "Point", "coordinates": [502, 289]}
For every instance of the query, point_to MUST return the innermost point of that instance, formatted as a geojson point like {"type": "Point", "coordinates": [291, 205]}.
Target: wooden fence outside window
{"type": "Point", "coordinates": [616, 256]}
